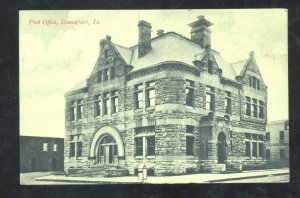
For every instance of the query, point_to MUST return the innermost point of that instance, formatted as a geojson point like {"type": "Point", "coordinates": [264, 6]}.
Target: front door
{"type": "Point", "coordinates": [222, 156]}
{"type": "Point", "coordinates": [107, 152]}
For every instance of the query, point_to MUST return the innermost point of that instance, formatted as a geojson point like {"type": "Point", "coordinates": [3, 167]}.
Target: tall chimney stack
{"type": "Point", "coordinates": [200, 32]}
{"type": "Point", "coordinates": [144, 43]}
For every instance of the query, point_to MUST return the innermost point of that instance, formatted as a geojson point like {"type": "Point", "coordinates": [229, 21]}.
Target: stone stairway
{"type": "Point", "coordinates": [98, 170]}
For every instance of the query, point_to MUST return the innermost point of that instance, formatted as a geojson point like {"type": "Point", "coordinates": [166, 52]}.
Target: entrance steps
{"type": "Point", "coordinates": [99, 170]}
{"type": "Point", "coordinates": [93, 171]}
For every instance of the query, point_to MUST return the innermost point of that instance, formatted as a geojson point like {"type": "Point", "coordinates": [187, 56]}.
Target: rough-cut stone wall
{"type": "Point", "coordinates": [170, 90]}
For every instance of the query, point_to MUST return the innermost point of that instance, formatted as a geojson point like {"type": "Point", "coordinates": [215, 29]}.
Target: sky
{"type": "Point", "coordinates": [55, 57]}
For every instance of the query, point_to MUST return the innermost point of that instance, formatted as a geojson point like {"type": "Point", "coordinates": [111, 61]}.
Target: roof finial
{"type": "Point", "coordinates": [251, 53]}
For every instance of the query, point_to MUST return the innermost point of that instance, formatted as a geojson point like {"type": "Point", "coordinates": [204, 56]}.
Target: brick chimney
{"type": "Point", "coordinates": [200, 32]}
{"type": "Point", "coordinates": [144, 44]}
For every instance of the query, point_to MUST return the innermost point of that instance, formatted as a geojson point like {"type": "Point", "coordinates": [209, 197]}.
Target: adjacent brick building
{"type": "Point", "coordinates": [171, 102]}
{"type": "Point", "coordinates": [277, 142]}
{"type": "Point", "coordinates": [41, 154]}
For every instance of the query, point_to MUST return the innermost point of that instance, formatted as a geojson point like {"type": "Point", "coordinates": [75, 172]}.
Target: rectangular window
{"type": "Point", "coordinates": [261, 150]}
{"type": "Point", "coordinates": [112, 72]}
{"type": "Point", "coordinates": [105, 74]}
{"type": "Point", "coordinates": [115, 102]}
{"type": "Point", "coordinates": [79, 149]}
{"type": "Point", "coordinates": [250, 81]}
{"type": "Point", "coordinates": [267, 136]}
{"type": "Point", "coordinates": [210, 98]}
{"type": "Point", "coordinates": [206, 149]}
{"type": "Point", "coordinates": [268, 154]}
{"type": "Point", "coordinates": [79, 109]}
{"type": "Point", "coordinates": [281, 136]}
{"type": "Point", "coordinates": [282, 154]}
{"type": "Point", "coordinates": [189, 91]}
{"type": "Point", "coordinates": [139, 96]}
{"type": "Point", "coordinates": [73, 111]}
{"type": "Point", "coordinates": [106, 105]}
{"type": "Point", "coordinates": [139, 146]}
{"type": "Point", "coordinates": [247, 150]}
{"type": "Point", "coordinates": [106, 53]}
{"type": "Point", "coordinates": [99, 76]}
{"type": "Point", "coordinates": [97, 105]}
{"type": "Point", "coordinates": [248, 106]}
{"type": "Point", "coordinates": [189, 145]}
{"type": "Point", "coordinates": [54, 147]}
{"type": "Point", "coordinates": [261, 109]}
{"type": "Point", "coordinates": [72, 149]}
{"type": "Point", "coordinates": [254, 82]}
{"type": "Point", "coordinates": [286, 125]}
{"type": "Point", "coordinates": [151, 145]}
{"type": "Point", "coordinates": [248, 136]}
{"type": "Point", "coordinates": [45, 147]}
{"type": "Point", "coordinates": [190, 129]}
{"type": "Point", "coordinates": [254, 108]}
{"type": "Point", "coordinates": [227, 102]}
{"type": "Point", "coordinates": [150, 94]}
{"type": "Point", "coordinates": [210, 66]}
{"type": "Point", "coordinates": [254, 149]}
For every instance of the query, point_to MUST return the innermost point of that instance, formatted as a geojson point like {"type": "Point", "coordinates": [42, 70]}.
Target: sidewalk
{"type": "Point", "coordinates": [183, 179]}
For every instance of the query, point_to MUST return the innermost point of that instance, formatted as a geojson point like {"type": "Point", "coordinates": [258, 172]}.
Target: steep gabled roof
{"type": "Point", "coordinates": [239, 66]}
{"type": "Point", "coordinates": [227, 69]}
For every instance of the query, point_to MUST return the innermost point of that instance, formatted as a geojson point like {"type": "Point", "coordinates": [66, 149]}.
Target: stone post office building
{"type": "Point", "coordinates": [170, 102]}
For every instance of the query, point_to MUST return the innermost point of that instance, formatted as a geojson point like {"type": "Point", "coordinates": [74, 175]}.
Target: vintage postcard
{"type": "Point", "coordinates": [153, 96]}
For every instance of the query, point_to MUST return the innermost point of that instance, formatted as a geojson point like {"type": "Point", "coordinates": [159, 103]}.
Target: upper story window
{"type": "Point", "coordinates": [267, 136]}
{"type": "Point", "coordinates": [105, 74]}
{"type": "Point", "coordinates": [210, 66]}
{"type": "Point", "coordinates": [115, 102]}
{"type": "Point", "coordinates": [286, 125]}
{"type": "Point", "coordinates": [139, 96]}
{"type": "Point", "coordinates": [254, 82]}
{"type": "Point", "coordinates": [189, 91]}
{"type": "Point", "coordinates": [106, 53]}
{"type": "Point", "coordinates": [227, 102]}
{"type": "Point", "coordinates": [45, 147]}
{"type": "Point", "coordinates": [112, 72]}
{"type": "Point", "coordinates": [210, 98]}
{"type": "Point", "coordinates": [97, 105]}
{"type": "Point", "coordinates": [190, 129]}
{"type": "Point", "coordinates": [254, 108]}
{"type": "Point", "coordinates": [261, 113]}
{"type": "Point", "coordinates": [99, 76]}
{"type": "Point", "coordinates": [150, 94]}
{"type": "Point", "coordinates": [79, 109]}
{"type": "Point", "coordinates": [54, 147]}
{"type": "Point", "coordinates": [106, 105]}
{"type": "Point", "coordinates": [248, 106]}
{"type": "Point", "coordinates": [281, 136]}
{"type": "Point", "coordinates": [76, 110]}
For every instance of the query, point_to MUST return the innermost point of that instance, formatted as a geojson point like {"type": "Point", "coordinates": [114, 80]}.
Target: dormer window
{"type": "Point", "coordinates": [210, 66]}
{"type": "Point", "coordinates": [105, 74]}
{"type": "Point", "coordinates": [254, 82]}
{"type": "Point", "coordinates": [106, 53]}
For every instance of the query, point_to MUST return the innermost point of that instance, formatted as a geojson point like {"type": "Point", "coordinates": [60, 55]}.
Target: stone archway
{"type": "Point", "coordinates": [221, 148]}
{"type": "Point", "coordinates": [102, 132]}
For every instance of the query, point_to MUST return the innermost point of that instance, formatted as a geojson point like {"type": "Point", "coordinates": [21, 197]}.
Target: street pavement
{"type": "Point", "coordinates": [254, 176]}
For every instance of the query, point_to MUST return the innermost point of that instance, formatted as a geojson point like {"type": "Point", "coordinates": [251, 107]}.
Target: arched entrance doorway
{"type": "Point", "coordinates": [107, 152]}
{"type": "Point", "coordinates": [222, 153]}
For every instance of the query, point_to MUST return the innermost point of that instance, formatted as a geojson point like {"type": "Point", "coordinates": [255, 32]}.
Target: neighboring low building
{"type": "Point", "coordinates": [41, 154]}
{"type": "Point", "coordinates": [277, 143]}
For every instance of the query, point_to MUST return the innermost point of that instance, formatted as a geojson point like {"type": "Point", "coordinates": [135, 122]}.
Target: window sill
{"type": "Point", "coordinates": [151, 157]}
{"type": "Point", "coordinates": [138, 110]}
{"type": "Point", "coordinates": [150, 108]}
{"type": "Point", "coordinates": [138, 157]}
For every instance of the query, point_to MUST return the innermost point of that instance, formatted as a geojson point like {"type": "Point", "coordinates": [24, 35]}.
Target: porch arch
{"type": "Point", "coordinates": [104, 131]}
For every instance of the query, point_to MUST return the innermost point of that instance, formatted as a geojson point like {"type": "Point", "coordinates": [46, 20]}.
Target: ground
{"type": "Point", "coordinates": [258, 176]}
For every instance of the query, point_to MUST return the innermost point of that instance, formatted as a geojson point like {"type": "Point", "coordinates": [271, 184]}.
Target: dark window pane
{"type": "Point", "coordinates": [72, 149]}
{"type": "Point", "coordinates": [282, 154]}
{"type": "Point", "coordinates": [189, 145]}
{"type": "Point", "coordinates": [268, 154]}
{"type": "Point", "coordinates": [139, 146]}
{"type": "Point", "coordinates": [261, 149]}
{"type": "Point", "coordinates": [79, 149]}
{"type": "Point", "coordinates": [247, 150]}
{"type": "Point", "coordinates": [281, 136]}
{"type": "Point", "coordinates": [190, 129]}
{"type": "Point", "coordinates": [254, 149]}
{"type": "Point", "coordinates": [268, 136]}
{"type": "Point", "coordinates": [151, 145]}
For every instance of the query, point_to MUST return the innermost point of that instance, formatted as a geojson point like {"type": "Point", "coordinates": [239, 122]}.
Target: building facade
{"type": "Point", "coordinates": [277, 142]}
{"type": "Point", "coordinates": [41, 154]}
{"type": "Point", "coordinates": [170, 102]}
